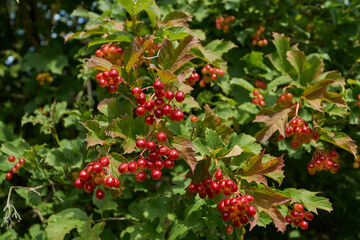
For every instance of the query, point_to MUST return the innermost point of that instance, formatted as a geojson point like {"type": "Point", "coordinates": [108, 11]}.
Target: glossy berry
{"type": "Point", "coordinates": [140, 111]}
{"type": "Point", "coordinates": [104, 161]}
{"type": "Point", "coordinates": [218, 175]}
{"type": "Point", "coordinates": [178, 115]}
{"type": "Point", "coordinates": [99, 194]}
{"type": "Point", "coordinates": [250, 210]}
{"type": "Point", "coordinates": [173, 154]}
{"type": "Point", "coordinates": [194, 119]}
{"type": "Point", "coordinates": [110, 181]}
{"type": "Point", "coordinates": [84, 175]}
{"type": "Point", "coordinates": [289, 219]}
{"type": "Point", "coordinates": [79, 184]}
{"type": "Point", "coordinates": [149, 119]}
{"type": "Point", "coordinates": [22, 161]}
{"type": "Point", "coordinates": [298, 207]}
{"type": "Point", "coordinates": [140, 176]}
{"type": "Point", "coordinates": [11, 159]}
{"type": "Point", "coordinates": [8, 175]}
{"type": "Point", "coordinates": [89, 187]}
{"type": "Point", "coordinates": [96, 167]}
{"type": "Point", "coordinates": [304, 224]}
{"type": "Point", "coordinates": [161, 137]}
{"type": "Point", "coordinates": [169, 95]}
{"type": "Point", "coordinates": [169, 163]}
{"type": "Point", "coordinates": [117, 183]}
{"type": "Point", "coordinates": [17, 166]}
{"type": "Point", "coordinates": [140, 143]}
{"type": "Point", "coordinates": [14, 170]}
{"type": "Point", "coordinates": [112, 88]}
{"type": "Point", "coordinates": [113, 73]}
{"type": "Point", "coordinates": [192, 187]}
{"type": "Point", "coordinates": [123, 168]}
{"type": "Point", "coordinates": [141, 99]}
{"type": "Point", "coordinates": [132, 166]}
{"type": "Point", "coordinates": [158, 85]}
{"type": "Point", "coordinates": [156, 174]}
{"type": "Point", "coordinates": [151, 146]}
{"type": "Point", "coordinates": [229, 229]}
{"type": "Point", "coordinates": [136, 91]}
{"type": "Point", "coordinates": [308, 216]}
{"type": "Point", "coordinates": [163, 150]}
{"type": "Point", "coordinates": [179, 96]}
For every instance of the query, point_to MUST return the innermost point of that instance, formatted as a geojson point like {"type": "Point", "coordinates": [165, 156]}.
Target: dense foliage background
{"type": "Point", "coordinates": [41, 115]}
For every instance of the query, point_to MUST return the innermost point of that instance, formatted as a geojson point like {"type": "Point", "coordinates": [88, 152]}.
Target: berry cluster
{"type": "Point", "coordinates": [94, 174]}
{"type": "Point", "coordinates": [236, 209]}
{"type": "Point", "coordinates": [297, 215]}
{"type": "Point", "coordinates": [260, 84]}
{"type": "Point", "coordinates": [258, 98]}
{"type": "Point", "coordinates": [193, 78]}
{"type": "Point", "coordinates": [154, 161]}
{"type": "Point", "coordinates": [324, 161]}
{"type": "Point", "coordinates": [258, 38]}
{"type": "Point", "coordinates": [113, 53]}
{"type": "Point", "coordinates": [159, 108]}
{"type": "Point", "coordinates": [210, 187]}
{"type": "Point", "coordinates": [208, 73]}
{"type": "Point", "coordinates": [111, 79]}
{"type": "Point", "coordinates": [16, 167]}
{"type": "Point", "coordinates": [300, 132]}
{"type": "Point", "coordinates": [222, 23]}
{"type": "Point", "coordinates": [44, 77]}
{"type": "Point", "coordinates": [285, 99]}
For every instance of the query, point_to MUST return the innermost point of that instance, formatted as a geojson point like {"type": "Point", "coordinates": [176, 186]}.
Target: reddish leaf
{"type": "Point", "coordinates": [99, 63]}
{"type": "Point", "coordinates": [275, 119]}
{"type": "Point", "coordinates": [254, 170]}
{"type": "Point", "coordinates": [186, 151]}
{"type": "Point", "coordinates": [335, 98]}
{"type": "Point", "coordinates": [134, 51]}
{"type": "Point", "coordinates": [339, 139]}
{"type": "Point", "coordinates": [172, 59]}
{"type": "Point", "coordinates": [266, 200]}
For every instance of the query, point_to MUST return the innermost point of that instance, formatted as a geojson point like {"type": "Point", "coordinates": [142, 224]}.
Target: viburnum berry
{"type": "Point", "coordinates": [194, 119]}
{"type": "Point", "coordinates": [309, 216]}
{"type": "Point", "coordinates": [218, 175]}
{"type": "Point", "coordinates": [22, 161]}
{"type": "Point", "coordinates": [14, 170]}
{"type": "Point", "coordinates": [151, 146]}
{"type": "Point", "coordinates": [304, 224]}
{"type": "Point", "coordinates": [96, 167]}
{"type": "Point", "coordinates": [8, 175]}
{"type": "Point", "coordinates": [179, 96]}
{"type": "Point", "coordinates": [141, 143]}
{"type": "Point", "coordinates": [140, 176]}
{"type": "Point", "coordinates": [104, 161]}
{"type": "Point", "coordinates": [99, 194]}
{"type": "Point", "coordinates": [89, 187]}
{"type": "Point", "coordinates": [158, 85]}
{"type": "Point", "coordinates": [161, 137]}
{"type": "Point", "coordinates": [149, 105]}
{"type": "Point", "coordinates": [132, 166]}
{"type": "Point", "coordinates": [169, 95]}
{"type": "Point", "coordinates": [123, 168]}
{"type": "Point", "coordinates": [113, 73]}
{"type": "Point", "coordinates": [178, 115]}
{"type": "Point", "coordinates": [169, 163]}
{"type": "Point", "coordinates": [163, 150]}
{"type": "Point", "coordinates": [110, 181]}
{"type": "Point", "coordinates": [17, 166]}
{"type": "Point", "coordinates": [173, 154]}
{"type": "Point", "coordinates": [79, 184]}
{"type": "Point", "coordinates": [11, 159]}
{"type": "Point", "coordinates": [141, 99]}
{"type": "Point", "coordinates": [229, 229]}
{"type": "Point", "coordinates": [156, 174]}
{"type": "Point", "coordinates": [136, 91]}
{"type": "Point", "coordinates": [298, 207]}
{"type": "Point", "coordinates": [140, 111]}
{"type": "Point", "coordinates": [149, 119]}
{"type": "Point", "coordinates": [84, 175]}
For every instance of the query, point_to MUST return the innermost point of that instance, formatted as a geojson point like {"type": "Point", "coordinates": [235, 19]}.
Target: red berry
{"type": "Point", "coordinates": [96, 167]}
{"type": "Point", "coordinates": [78, 182]}
{"type": "Point", "coordinates": [214, 186]}
{"type": "Point", "coordinates": [158, 85]}
{"type": "Point", "coordinates": [112, 88]}
{"type": "Point", "coordinates": [104, 161]}
{"type": "Point", "coordinates": [304, 224]}
{"type": "Point", "coordinates": [151, 146]}
{"type": "Point", "coordinates": [141, 99]}
{"type": "Point", "coordinates": [123, 168]}
{"type": "Point", "coordinates": [159, 164]}
{"type": "Point", "coordinates": [9, 176]}
{"type": "Point", "coordinates": [173, 154]}
{"type": "Point", "coordinates": [193, 119]}
{"type": "Point", "coordinates": [308, 216]}
{"type": "Point", "coordinates": [261, 103]}
{"type": "Point", "coordinates": [153, 155]}
{"type": "Point", "coordinates": [179, 96]}
{"type": "Point", "coordinates": [99, 194]}
{"type": "Point", "coordinates": [141, 163]}
{"type": "Point", "coordinates": [218, 175]}
{"type": "Point", "coordinates": [161, 137]}
{"type": "Point", "coordinates": [140, 143]}
{"type": "Point", "coordinates": [140, 176]}
{"type": "Point", "coordinates": [160, 94]}
{"type": "Point", "coordinates": [192, 187]}
{"type": "Point", "coordinates": [169, 95]}
{"type": "Point", "coordinates": [149, 119]}
{"type": "Point", "coordinates": [298, 207]}
{"type": "Point", "coordinates": [289, 219]}
{"type": "Point", "coordinates": [167, 110]}
{"type": "Point", "coordinates": [294, 214]}
{"type": "Point", "coordinates": [84, 175]}
{"type": "Point", "coordinates": [156, 174]}
{"type": "Point", "coordinates": [255, 92]}
{"type": "Point", "coordinates": [11, 159]}
{"type": "Point", "coordinates": [117, 183]}
{"type": "Point", "coordinates": [149, 105]}
{"type": "Point", "coordinates": [178, 115]}
{"type": "Point", "coordinates": [159, 103]}
{"type": "Point", "coordinates": [229, 229]}
{"type": "Point", "coordinates": [98, 53]}
{"type": "Point", "coordinates": [89, 187]}
{"type": "Point", "coordinates": [22, 161]}
{"type": "Point", "coordinates": [158, 113]}
{"type": "Point", "coordinates": [132, 166]}
{"type": "Point", "coordinates": [163, 150]}
{"type": "Point", "coordinates": [17, 166]}
{"type": "Point", "coordinates": [248, 198]}
{"type": "Point", "coordinates": [110, 181]}
{"type": "Point", "coordinates": [136, 91]}
{"type": "Point", "coordinates": [250, 210]}
{"type": "Point", "coordinates": [169, 163]}
{"type": "Point", "coordinates": [14, 170]}
{"type": "Point", "coordinates": [140, 111]}
{"type": "Point", "coordinates": [225, 216]}
{"type": "Point", "coordinates": [113, 73]}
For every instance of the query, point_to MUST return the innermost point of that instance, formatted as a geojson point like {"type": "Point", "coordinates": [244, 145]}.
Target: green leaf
{"type": "Point", "coordinates": [339, 139]}
{"type": "Point", "coordinates": [254, 59]}
{"type": "Point", "coordinates": [63, 222]}
{"type": "Point", "coordinates": [134, 7]}
{"type": "Point", "coordinates": [219, 47]}
{"type": "Point", "coordinates": [118, 37]}
{"type": "Point", "coordinates": [6, 132]}
{"type": "Point", "coordinates": [107, 203]}
{"type": "Point", "coordinates": [110, 107]}
{"type": "Point", "coordinates": [278, 58]}
{"type": "Point", "coordinates": [243, 83]}
{"type": "Point", "coordinates": [309, 199]}
{"type": "Point", "coordinates": [96, 135]}
{"type": "Point", "coordinates": [15, 148]}
{"type": "Point", "coordinates": [213, 140]}
{"type": "Point", "coordinates": [171, 58]}
{"type": "Point", "coordinates": [57, 64]}
{"type": "Point", "coordinates": [33, 60]}
{"type": "Point", "coordinates": [246, 142]}
{"type": "Point", "coordinates": [200, 146]}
